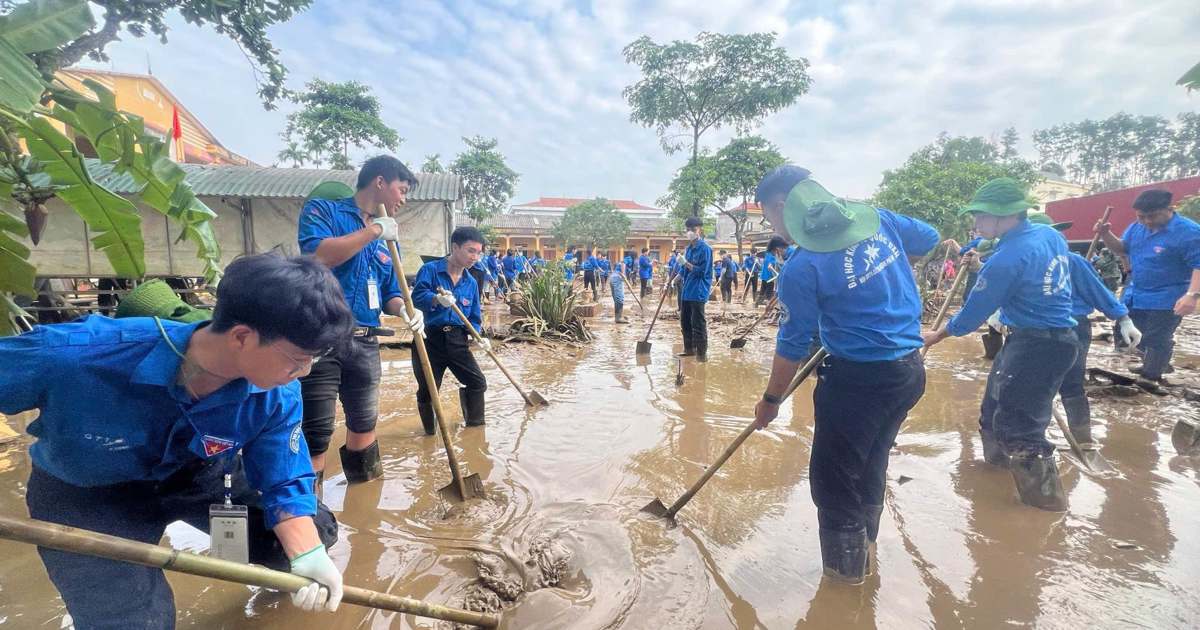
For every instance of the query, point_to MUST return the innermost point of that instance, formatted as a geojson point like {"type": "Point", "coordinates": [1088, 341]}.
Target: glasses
{"type": "Point", "coordinates": [305, 362]}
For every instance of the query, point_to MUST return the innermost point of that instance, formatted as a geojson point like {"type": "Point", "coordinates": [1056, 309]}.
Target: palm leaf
{"type": "Point", "coordinates": [20, 84]}
{"type": "Point", "coordinates": [1191, 78]}
{"type": "Point", "coordinates": [43, 25]}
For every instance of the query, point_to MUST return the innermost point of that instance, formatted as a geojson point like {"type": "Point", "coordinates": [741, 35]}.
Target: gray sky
{"type": "Point", "coordinates": [545, 77]}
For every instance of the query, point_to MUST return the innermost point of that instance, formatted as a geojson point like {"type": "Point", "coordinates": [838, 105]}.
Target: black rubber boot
{"type": "Point", "coordinates": [992, 342]}
{"type": "Point", "coordinates": [472, 406]}
{"type": "Point", "coordinates": [844, 555]}
{"type": "Point", "coordinates": [619, 314]}
{"type": "Point", "coordinates": [1079, 418]}
{"type": "Point", "coordinates": [1037, 481]}
{"type": "Point", "coordinates": [363, 465]}
{"type": "Point", "coordinates": [872, 514]}
{"type": "Point", "coordinates": [702, 353]}
{"type": "Point", "coordinates": [687, 351]}
{"type": "Point", "coordinates": [993, 451]}
{"type": "Point", "coordinates": [428, 419]}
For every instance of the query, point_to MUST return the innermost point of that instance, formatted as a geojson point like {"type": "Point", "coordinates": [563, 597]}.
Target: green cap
{"type": "Point", "coordinates": [1041, 218]}
{"type": "Point", "coordinates": [157, 299]}
{"type": "Point", "coordinates": [1001, 197]}
{"type": "Point", "coordinates": [331, 190]}
{"type": "Point", "coordinates": [821, 222]}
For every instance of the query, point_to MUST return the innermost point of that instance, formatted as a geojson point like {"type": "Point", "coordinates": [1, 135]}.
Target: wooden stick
{"type": "Point", "coordinates": [941, 316]}
{"type": "Point", "coordinates": [1096, 237]}
{"type": "Point", "coordinates": [89, 543]}
{"type": "Point", "coordinates": [479, 339]}
{"type": "Point", "coordinates": [662, 298]}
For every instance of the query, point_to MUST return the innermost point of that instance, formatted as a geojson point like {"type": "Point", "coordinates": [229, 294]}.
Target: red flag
{"type": "Point", "coordinates": [176, 130]}
{"type": "Point", "coordinates": [176, 140]}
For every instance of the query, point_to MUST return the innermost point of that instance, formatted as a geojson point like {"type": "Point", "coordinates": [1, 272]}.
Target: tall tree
{"type": "Point", "coordinates": [335, 116]}
{"type": "Point", "coordinates": [1123, 150]}
{"type": "Point", "coordinates": [739, 166]}
{"type": "Point", "coordinates": [689, 88]}
{"type": "Point", "coordinates": [1008, 143]}
{"type": "Point", "coordinates": [432, 164]}
{"type": "Point", "coordinates": [293, 153]}
{"type": "Point", "coordinates": [593, 223]}
{"type": "Point", "coordinates": [488, 182]}
{"type": "Point", "coordinates": [694, 186]}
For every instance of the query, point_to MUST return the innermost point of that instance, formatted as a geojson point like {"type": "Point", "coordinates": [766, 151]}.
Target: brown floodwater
{"type": "Point", "coordinates": [956, 548]}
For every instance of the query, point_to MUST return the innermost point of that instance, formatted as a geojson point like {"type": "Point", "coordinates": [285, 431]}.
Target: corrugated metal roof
{"type": "Point", "coordinates": [266, 182]}
{"type": "Point", "coordinates": [517, 221]}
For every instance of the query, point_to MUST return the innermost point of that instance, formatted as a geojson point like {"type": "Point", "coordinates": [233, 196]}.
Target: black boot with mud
{"type": "Point", "coordinates": [993, 451]}
{"type": "Point", "coordinates": [1036, 477]}
{"type": "Point", "coordinates": [702, 353]}
{"type": "Point", "coordinates": [428, 420]}
{"type": "Point", "coordinates": [844, 555]}
{"type": "Point", "coordinates": [361, 466]}
{"type": "Point", "coordinates": [688, 351]}
{"type": "Point", "coordinates": [872, 514]}
{"type": "Point", "coordinates": [1079, 418]}
{"type": "Point", "coordinates": [472, 406]}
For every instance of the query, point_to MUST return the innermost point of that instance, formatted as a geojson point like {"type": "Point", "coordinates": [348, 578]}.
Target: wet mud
{"type": "Point", "coordinates": [559, 541]}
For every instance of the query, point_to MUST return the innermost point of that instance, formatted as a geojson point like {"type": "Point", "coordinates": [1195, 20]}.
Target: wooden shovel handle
{"type": "Point", "coordinates": [1096, 237]}
{"type": "Point", "coordinates": [479, 338]}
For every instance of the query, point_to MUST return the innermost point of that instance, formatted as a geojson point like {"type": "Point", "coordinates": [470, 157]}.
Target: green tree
{"type": "Point", "coordinates": [432, 164]}
{"type": "Point", "coordinates": [689, 88]}
{"type": "Point", "coordinates": [1123, 150]}
{"type": "Point", "coordinates": [739, 166]}
{"type": "Point", "coordinates": [937, 180]}
{"type": "Point", "coordinates": [1008, 143]}
{"type": "Point", "coordinates": [293, 153]}
{"type": "Point", "coordinates": [694, 186]}
{"type": "Point", "coordinates": [593, 223]}
{"type": "Point", "coordinates": [488, 182]}
{"type": "Point", "coordinates": [1190, 79]}
{"type": "Point", "coordinates": [1189, 207]}
{"type": "Point", "coordinates": [335, 116]}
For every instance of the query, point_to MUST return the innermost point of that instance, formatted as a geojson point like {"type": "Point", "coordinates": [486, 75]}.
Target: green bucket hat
{"type": "Point", "coordinates": [821, 222]}
{"type": "Point", "coordinates": [157, 299]}
{"type": "Point", "coordinates": [999, 197]}
{"type": "Point", "coordinates": [1041, 218]}
{"type": "Point", "coordinates": [330, 190]}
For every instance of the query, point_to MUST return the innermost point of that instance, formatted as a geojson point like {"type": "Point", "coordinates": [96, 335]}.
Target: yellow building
{"type": "Point", "coordinates": [145, 96]}
{"type": "Point", "coordinates": [1053, 188]}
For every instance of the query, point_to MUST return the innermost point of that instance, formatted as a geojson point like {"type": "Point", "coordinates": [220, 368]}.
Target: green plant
{"type": "Point", "coordinates": [548, 308]}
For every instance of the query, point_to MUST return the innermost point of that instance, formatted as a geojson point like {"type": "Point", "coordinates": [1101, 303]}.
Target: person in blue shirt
{"type": "Point", "coordinates": [521, 262]}
{"type": "Point", "coordinates": [569, 265]}
{"type": "Point", "coordinates": [509, 265]}
{"type": "Point", "coordinates": [589, 273]}
{"type": "Point", "coordinates": [1028, 278]}
{"type": "Point", "coordinates": [645, 268]}
{"type": "Point", "coordinates": [496, 274]}
{"type": "Point", "coordinates": [727, 271]}
{"type": "Point", "coordinates": [617, 284]}
{"type": "Point", "coordinates": [629, 266]}
{"type": "Point", "coordinates": [1164, 279]}
{"type": "Point", "coordinates": [752, 266]}
{"type": "Point", "coordinates": [771, 267]}
{"type": "Point", "coordinates": [141, 419]}
{"type": "Point", "coordinates": [849, 284]}
{"type": "Point", "coordinates": [696, 279]}
{"type": "Point", "coordinates": [347, 237]}
{"type": "Point", "coordinates": [446, 337]}
{"type": "Point", "coordinates": [537, 263]}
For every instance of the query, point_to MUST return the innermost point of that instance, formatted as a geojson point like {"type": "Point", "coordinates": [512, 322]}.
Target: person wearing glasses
{"type": "Point", "coordinates": [348, 237]}
{"type": "Point", "coordinates": [147, 421]}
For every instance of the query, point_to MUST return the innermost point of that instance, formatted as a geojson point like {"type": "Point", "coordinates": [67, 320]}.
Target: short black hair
{"type": "Point", "coordinates": [1152, 200]}
{"type": "Point", "coordinates": [465, 233]}
{"type": "Point", "coordinates": [777, 242]}
{"type": "Point", "coordinates": [693, 222]}
{"type": "Point", "coordinates": [722, 252]}
{"type": "Point", "coordinates": [296, 298]}
{"type": "Point", "coordinates": [387, 167]}
{"type": "Point", "coordinates": [779, 181]}
{"type": "Point", "coordinates": [645, 249]}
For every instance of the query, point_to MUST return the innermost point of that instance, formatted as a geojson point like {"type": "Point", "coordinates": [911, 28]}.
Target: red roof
{"type": "Point", "coordinates": [567, 202]}
{"type": "Point", "coordinates": [1085, 211]}
{"type": "Point", "coordinates": [749, 206]}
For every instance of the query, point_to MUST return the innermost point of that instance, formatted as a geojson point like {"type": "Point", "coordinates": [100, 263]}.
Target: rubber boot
{"type": "Point", "coordinates": [620, 317]}
{"type": "Point", "coordinates": [1079, 418]}
{"type": "Point", "coordinates": [872, 514]}
{"type": "Point", "coordinates": [993, 451]}
{"type": "Point", "coordinates": [363, 465]}
{"type": "Point", "coordinates": [992, 342]}
{"type": "Point", "coordinates": [428, 419]}
{"type": "Point", "coordinates": [1037, 481]}
{"type": "Point", "coordinates": [702, 353]}
{"type": "Point", "coordinates": [472, 406]}
{"type": "Point", "coordinates": [844, 555]}
{"type": "Point", "coordinates": [688, 351]}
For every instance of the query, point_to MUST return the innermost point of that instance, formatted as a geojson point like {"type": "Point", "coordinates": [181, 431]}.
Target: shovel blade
{"type": "Point", "coordinates": [473, 485]}
{"type": "Point", "coordinates": [536, 399]}
{"type": "Point", "coordinates": [643, 347]}
{"type": "Point", "coordinates": [740, 342]}
{"type": "Point", "coordinates": [656, 508]}
{"type": "Point", "coordinates": [1186, 438]}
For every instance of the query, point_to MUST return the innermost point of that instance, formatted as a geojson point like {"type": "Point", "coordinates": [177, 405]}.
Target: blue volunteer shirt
{"type": "Point", "coordinates": [112, 413]}
{"type": "Point", "coordinates": [481, 267]}
{"type": "Point", "coordinates": [769, 270]}
{"type": "Point", "coordinates": [1088, 292]}
{"type": "Point", "coordinates": [432, 276]}
{"type": "Point", "coordinates": [1161, 262]}
{"type": "Point", "coordinates": [330, 218]}
{"type": "Point", "coordinates": [730, 267]}
{"type": "Point", "coordinates": [537, 262]}
{"type": "Point", "coordinates": [862, 301]}
{"type": "Point", "coordinates": [748, 262]}
{"type": "Point", "coordinates": [569, 267]}
{"type": "Point", "coordinates": [521, 263]}
{"type": "Point", "coordinates": [604, 266]}
{"type": "Point", "coordinates": [645, 267]}
{"type": "Point", "coordinates": [971, 244]}
{"type": "Point", "coordinates": [697, 281]}
{"type": "Point", "coordinates": [628, 263]}
{"type": "Point", "coordinates": [509, 263]}
{"type": "Point", "coordinates": [1028, 278]}
{"type": "Point", "coordinates": [589, 264]}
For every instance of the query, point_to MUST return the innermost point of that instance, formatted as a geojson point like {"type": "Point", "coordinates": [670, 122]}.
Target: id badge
{"type": "Point", "coordinates": [372, 294]}
{"type": "Point", "coordinates": [228, 529]}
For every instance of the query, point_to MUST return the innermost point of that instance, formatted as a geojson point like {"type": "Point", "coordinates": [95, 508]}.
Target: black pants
{"type": "Point", "coordinates": [768, 290]}
{"type": "Point", "coordinates": [447, 348]}
{"type": "Point", "coordinates": [859, 407]}
{"type": "Point", "coordinates": [645, 286]}
{"type": "Point", "coordinates": [727, 289]}
{"type": "Point", "coordinates": [479, 275]}
{"type": "Point", "coordinates": [106, 594]}
{"type": "Point", "coordinates": [1158, 338]}
{"type": "Point", "coordinates": [1025, 377]}
{"type": "Point", "coordinates": [352, 375]}
{"type": "Point", "coordinates": [752, 279]}
{"type": "Point", "coordinates": [694, 325]}
{"type": "Point", "coordinates": [589, 280]}
{"type": "Point", "coordinates": [1072, 385]}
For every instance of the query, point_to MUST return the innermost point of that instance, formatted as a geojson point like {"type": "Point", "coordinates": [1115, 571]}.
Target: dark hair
{"type": "Point", "coordinates": [693, 222]}
{"type": "Point", "coordinates": [645, 249]}
{"type": "Point", "coordinates": [508, 253]}
{"type": "Point", "coordinates": [777, 242]}
{"type": "Point", "coordinates": [387, 167]}
{"type": "Point", "coordinates": [466, 233]}
{"type": "Point", "coordinates": [1152, 200]}
{"type": "Point", "coordinates": [297, 299]}
{"type": "Point", "coordinates": [722, 252]}
{"type": "Point", "coordinates": [779, 181]}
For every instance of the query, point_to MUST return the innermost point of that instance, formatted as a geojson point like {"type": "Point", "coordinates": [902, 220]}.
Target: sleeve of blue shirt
{"type": "Point", "coordinates": [389, 286]}
{"type": "Point", "coordinates": [917, 237]}
{"type": "Point", "coordinates": [1191, 246]}
{"type": "Point", "coordinates": [315, 226]}
{"type": "Point", "coordinates": [475, 315]}
{"type": "Point", "coordinates": [23, 388]}
{"type": "Point", "coordinates": [424, 289]}
{"type": "Point", "coordinates": [798, 295]}
{"type": "Point", "coordinates": [283, 476]}
{"type": "Point", "coordinates": [991, 291]}
{"type": "Point", "coordinates": [1086, 283]}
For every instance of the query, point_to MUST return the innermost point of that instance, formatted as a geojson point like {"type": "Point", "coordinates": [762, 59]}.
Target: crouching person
{"type": "Point", "coordinates": [143, 422]}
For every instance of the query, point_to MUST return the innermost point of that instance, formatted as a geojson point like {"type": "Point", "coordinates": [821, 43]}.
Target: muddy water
{"type": "Point", "coordinates": [565, 484]}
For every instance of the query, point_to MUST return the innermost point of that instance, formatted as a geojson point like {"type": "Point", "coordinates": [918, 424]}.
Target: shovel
{"type": "Point", "coordinates": [460, 489]}
{"type": "Point", "coordinates": [1090, 457]}
{"type": "Point", "coordinates": [642, 309]}
{"type": "Point", "coordinates": [1186, 438]}
{"type": "Point", "coordinates": [1096, 238]}
{"type": "Point", "coordinates": [740, 342]}
{"type": "Point", "coordinates": [533, 399]}
{"type": "Point", "coordinates": [657, 508]}
{"type": "Point", "coordinates": [643, 346]}
{"type": "Point", "coordinates": [941, 315]}
{"type": "Point", "coordinates": [679, 374]}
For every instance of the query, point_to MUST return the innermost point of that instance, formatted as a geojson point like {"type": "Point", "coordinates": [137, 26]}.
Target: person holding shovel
{"type": "Point", "coordinates": [850, 284]}
{"type": "Point", "coordinates": [616, 282]}
{"type": "Point", "coordinates": [772, 263]}
{"type": "Point", "coordinates": [147, 421]}
{"type": "Point", "coordinates": [696, 283]}
{"type": "Point", "coordinates": [645, 267]}
{"type": "Point", "coordinates": [1028, 278]}
{"type": "Point", "coordinates": [446, 337]}
{"type": "Point", "coordinates": [347, 237]}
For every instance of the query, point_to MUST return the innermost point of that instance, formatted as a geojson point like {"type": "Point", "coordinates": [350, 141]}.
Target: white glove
{"type": "Point", "coordinates": [416, 323]}
{"type": "Point", "coordinates": [391, 231]}
{"type": "Point", "coordinates": [994, 321]}
{"type": "Point", "coordinates": [485, 343]}
{"type": "Point", "coordinates": [446, 300]}
{"type": "Point", "coordinates": [1129, 333]}
{"type": "Point", "coordinates": [326, 590]}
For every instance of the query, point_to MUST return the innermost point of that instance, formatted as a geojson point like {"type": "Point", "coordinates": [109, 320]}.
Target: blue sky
{"type": "Point", "coordinates": [545, 77]}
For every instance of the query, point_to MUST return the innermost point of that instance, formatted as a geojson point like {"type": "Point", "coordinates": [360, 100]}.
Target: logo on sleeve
{"type": "Point", "coordinates": [383, 257]}
{"type": "Point", "coordinates": [214, 446]}
{"type": "Point", "coordinates": [294, 440]}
